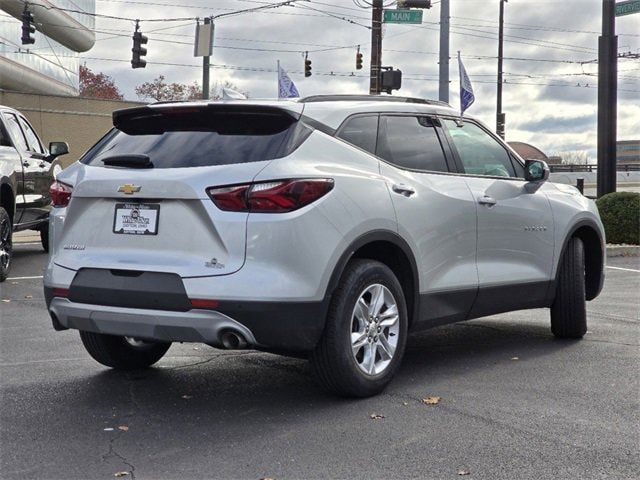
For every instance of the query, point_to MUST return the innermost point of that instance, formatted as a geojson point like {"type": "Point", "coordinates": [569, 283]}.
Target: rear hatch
{"type": "Point", "coordinates": [139, 199]}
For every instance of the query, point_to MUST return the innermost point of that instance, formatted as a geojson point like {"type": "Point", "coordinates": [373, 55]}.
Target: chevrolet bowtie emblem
{"type": "Point", "coordinates": [128, 188]}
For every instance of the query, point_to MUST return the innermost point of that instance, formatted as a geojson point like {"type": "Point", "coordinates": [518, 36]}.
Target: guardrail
{"type": "Point", "coordinates": [633, 167]}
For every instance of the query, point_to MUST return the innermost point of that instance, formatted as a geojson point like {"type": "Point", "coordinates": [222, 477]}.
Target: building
{"type": "Point", "coordinates": [50, 65]}
{"type": "Point", "coordinates": [628, 152]}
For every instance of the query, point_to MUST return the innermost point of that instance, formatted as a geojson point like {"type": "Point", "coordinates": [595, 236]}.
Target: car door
{"type": "Point", "coordinates": [515, 224]}
{"type": "Point", "coordinates": [19, 142]}
{"type": "Point", "coordinates": [436, 214]}
{"type": "Point", "coordinates": [36, 175]}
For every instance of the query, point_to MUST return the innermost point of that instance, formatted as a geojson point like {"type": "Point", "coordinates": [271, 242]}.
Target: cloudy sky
{"type": "Point", "coordinates": [550, 94]}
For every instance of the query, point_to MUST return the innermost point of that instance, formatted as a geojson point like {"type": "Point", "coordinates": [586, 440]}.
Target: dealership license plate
{"type": "Point", "coordinates": [136, 218]}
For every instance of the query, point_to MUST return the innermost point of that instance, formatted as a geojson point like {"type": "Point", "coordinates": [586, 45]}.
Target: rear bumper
{"type": "Point", "coordinates": [273, 326]}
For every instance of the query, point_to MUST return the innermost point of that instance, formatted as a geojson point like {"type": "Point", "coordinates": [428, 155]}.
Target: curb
{"type": "Point", "coordinates": [623, 251]}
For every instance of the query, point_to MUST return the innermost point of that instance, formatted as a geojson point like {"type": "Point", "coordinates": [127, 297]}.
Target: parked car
{"type": "Point", "coordinates": [27, 170]}
{"type": "Point", "coordinates": [328, 227]}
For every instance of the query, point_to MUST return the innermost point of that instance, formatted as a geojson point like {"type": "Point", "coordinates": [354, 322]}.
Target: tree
{"type": "Point", "coordinates": [161, 91]}
{"type": "Point", "coordinates": [98, 85]}
{"type": "Point", "coordinates": [575, 157]}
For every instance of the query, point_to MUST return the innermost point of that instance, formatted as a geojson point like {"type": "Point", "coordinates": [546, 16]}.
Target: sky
{"type": "Point", "coordinates": [550, 48]}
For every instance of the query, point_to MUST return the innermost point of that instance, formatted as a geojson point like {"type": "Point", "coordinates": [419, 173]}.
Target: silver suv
{"type": "Point", "coordinates": [328, 227]}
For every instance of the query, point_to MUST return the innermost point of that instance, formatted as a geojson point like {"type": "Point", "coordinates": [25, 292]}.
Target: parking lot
{"type": "Point", "coordinates": [514, 402]}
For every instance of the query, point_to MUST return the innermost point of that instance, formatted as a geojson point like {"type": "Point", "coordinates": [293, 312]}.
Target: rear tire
{"type": "Point", "coordinates": [569, 309]}
{"type": "Point", "coordinates": [6, 244]}
{"type": "Point", "coordinates": [352, 337]}
{"type": "Point", "coordinates": [120, 353]}
{"type": "Point", "coordinates": [44, 237]}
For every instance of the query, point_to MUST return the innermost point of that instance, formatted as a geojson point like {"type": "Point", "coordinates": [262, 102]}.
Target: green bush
{"type": "Point", "coordinates": [620, 213]}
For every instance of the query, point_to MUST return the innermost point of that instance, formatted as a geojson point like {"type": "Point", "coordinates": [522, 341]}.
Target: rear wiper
{"type": "Point", "coordinates": [130, 161]}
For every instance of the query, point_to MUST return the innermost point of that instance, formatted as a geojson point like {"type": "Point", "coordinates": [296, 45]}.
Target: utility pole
{"type": "Point", "coordinates": [500, 117]}
{"type": "Point", "coordinates": [375, 86]}
{"type": "Point", "coordinates": [607, 99]}
{"type": "Point", "coordinates": [444, 51]}
{"type": "Point", "coordinates": [205, 69]}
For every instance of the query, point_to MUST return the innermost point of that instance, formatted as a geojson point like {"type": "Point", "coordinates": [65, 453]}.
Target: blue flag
{"type": "Point", "coordinates": [286, 87]}
{"type": "Point", "coordinates": [466, 90]}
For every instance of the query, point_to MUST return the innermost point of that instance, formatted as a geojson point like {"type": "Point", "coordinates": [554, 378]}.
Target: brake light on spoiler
{"type": "Point", "coordinates": [279, 196]}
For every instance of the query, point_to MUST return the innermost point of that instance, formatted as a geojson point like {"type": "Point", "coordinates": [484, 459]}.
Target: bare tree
{"type": "Point", "coordinates": [574, 157]}
{"type": "Point", "coordinates": [160, 90]}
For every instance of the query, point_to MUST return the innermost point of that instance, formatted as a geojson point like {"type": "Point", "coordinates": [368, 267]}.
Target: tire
{"type": "Point", "coordinates": [6, 244]}
{"type": "Point", "coordinates": [44, 237]}
{"type": "Point", "coordinates": [569, 309]}
{"type": "Point", "coordinates": [338, 366]}
{"type": "Point", "coordinates": [122, 353]}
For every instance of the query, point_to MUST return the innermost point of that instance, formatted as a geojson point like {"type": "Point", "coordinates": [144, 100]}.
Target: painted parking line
{"type": "Point", "coordinates": [624, 269]}
{"type": "Point", "coordinates": [24, 278]}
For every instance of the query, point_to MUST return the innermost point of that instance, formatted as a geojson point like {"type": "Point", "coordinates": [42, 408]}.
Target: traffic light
{"type": "Point", "coordinates": [307, 66]}
{"type": "Point", "coordinates": [358, 60]}
{"type": "Point", "coordinates": [27, 26]}
{"type": "Point", "coordinates": [391, 79]}
{"type": "Point", "coordinates": [138, 50]}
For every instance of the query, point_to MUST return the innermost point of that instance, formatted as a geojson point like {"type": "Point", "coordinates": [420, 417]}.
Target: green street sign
{"type": "Point", "coordinates": [627, 8]}
{"type": "Point", "coordinates": [402, 16]}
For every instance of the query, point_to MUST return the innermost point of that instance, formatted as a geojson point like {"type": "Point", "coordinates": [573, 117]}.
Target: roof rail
{"type": "Point", "coordinates": [370, 98]}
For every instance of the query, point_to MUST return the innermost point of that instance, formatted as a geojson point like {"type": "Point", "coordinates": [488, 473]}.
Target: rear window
{"type": "Point", "coordinates": [197, 137]}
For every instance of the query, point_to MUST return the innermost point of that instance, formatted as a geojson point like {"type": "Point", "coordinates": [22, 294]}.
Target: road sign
{"type": "Point", "coordinates": [402, 16]}
{"type": "Point", "coordinates": [627, 8]}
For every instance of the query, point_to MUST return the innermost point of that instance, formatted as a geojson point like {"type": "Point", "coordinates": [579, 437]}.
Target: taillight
{"type": "Point", "coordinates": [270, 197]}
{"type": "Point", "coordinates": [60, 194]}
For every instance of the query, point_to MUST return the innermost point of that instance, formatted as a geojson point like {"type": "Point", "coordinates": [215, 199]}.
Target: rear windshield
{"type": "Point", "coordinates": [200, 137]}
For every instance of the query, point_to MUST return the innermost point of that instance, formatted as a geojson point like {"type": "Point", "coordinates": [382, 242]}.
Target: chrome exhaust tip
{"type": "Point", "coordinates": [233, 340]}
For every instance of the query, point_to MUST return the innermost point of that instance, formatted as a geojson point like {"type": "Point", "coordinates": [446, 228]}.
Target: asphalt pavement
{"type": "Point", "coordinates": [515, 403]}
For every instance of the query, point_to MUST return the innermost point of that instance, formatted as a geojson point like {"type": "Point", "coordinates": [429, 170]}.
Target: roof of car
{"type": "Point", "coordinates": [332, 110]}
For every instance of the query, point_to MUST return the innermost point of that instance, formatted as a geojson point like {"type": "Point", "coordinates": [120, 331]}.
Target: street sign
{"type": "Point", "coordinates": [203, 45]}
{"type": "Point", "coordinates": [627, 8]}
{"type": "Point", "coordinates": [402, 16]}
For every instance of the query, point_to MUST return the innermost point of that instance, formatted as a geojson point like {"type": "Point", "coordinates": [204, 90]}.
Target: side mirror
{"type": "Point", "coordinates": [536, 171]}
{"type": "Point", "coordinates": [58, 148]}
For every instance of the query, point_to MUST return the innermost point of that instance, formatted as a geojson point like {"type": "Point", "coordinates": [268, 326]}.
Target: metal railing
{"type": "Point", "coordinates": [631, 167]}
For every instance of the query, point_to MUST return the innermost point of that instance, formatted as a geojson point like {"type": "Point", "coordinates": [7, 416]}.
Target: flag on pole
{"type": "Point", "coordinates": [230, 94]}
{"type": "Point", "coordinates": [286, 87]}
{"type": "Point", "coordinates": [466, 90]}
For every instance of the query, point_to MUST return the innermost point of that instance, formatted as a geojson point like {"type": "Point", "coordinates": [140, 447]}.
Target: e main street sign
{"type": "Point", "coordinates": [402, 16]}
{"type": "Point", "coordinates": [627, 8]}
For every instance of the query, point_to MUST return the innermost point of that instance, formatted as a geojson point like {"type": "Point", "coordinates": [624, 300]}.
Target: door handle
{"type": "Point", "coordinates": [403, 189]}
{"type": "Point", "coordinates": [487, 200]}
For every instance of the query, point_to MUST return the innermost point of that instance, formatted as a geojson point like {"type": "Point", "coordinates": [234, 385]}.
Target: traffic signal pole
{"type": "Point", "coordinates": [500, 117]}
{"type": "Point", "coordinates": [375, 86]}
{"type": "Point", "coordinates": [444, 51]}
{"type": "Point", "coordinates": [607, 100]}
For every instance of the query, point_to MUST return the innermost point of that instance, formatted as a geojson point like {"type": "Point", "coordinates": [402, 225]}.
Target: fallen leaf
{"type": "Point", "coordinates": [376, 416]}
{"type": "Point", "coordinates": [464, 472]}
{"type": "Point", "coordinates": [109, 429]}
{"type": "Point", "coordinates": [266, 478]}
{"type": "Point", "coordinates": [405, 403]}
{"type": "Point", "coordinates": [28, 296]}
{"type": "Point", "coordinates": [121, 474]}
{"type": "Point", "coordinates": [196, 348]}
{"type": "Point", "coordinates": [515, 358]}
{"type": "Point", "coordinates": [431, 400]}
{"type": "Point", "coordinates": [124, 428]}
{"type": "Point", "coordinates": [5, 300]}
{"type": "Point", "coordinates": [187, 397]}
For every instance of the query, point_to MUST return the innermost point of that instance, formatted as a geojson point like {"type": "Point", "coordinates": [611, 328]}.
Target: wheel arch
{"type": "Point", "coordinates": [594, 254]}
{"type": "Point", "coordinates": [7, 198]}
{"type": "Point", "coordinates": [389, 248]}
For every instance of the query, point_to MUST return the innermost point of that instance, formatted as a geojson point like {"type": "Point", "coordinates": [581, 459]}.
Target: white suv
{"type": "Point", "coordinates": [328, 227]}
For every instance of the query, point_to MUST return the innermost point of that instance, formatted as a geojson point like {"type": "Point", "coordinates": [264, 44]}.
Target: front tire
{"type": "Point", "coordinates": [122, 353]}
{"type": "Point", "coordinates": [365, 334]}
{"type": "Point", "coordinates": [569, 309]}
{"type": "Point", "coordinates": [6, 244]}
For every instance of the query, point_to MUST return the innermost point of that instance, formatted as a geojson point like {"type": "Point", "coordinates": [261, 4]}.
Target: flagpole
{"type": "Point", "coordinates": [278, 78]}
{"type": "Point", "coordinates": [460, 82]}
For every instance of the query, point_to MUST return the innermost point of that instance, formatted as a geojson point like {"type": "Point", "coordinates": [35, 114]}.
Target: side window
{"type": "Point", "coordinates": [479, 153]}
{"type": "Point", "coordinates": [361, 132]}
{"type": "Point", "coordinates": [4, 137]}
{"type": "Point", "coordinates": [15, 132]}
{"type": "Point", "coordinates": [411, 142]}
{"type": "Point", "coordinates": [32, 139]}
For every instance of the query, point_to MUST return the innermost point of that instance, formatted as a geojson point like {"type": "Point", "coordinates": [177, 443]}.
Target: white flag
{"type": "Point", "coordinates": [230, 94]}
{"type": "Point", "coordinates": [286, 87]}
{"type": "Point", "coordinates": [466, 90]}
